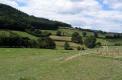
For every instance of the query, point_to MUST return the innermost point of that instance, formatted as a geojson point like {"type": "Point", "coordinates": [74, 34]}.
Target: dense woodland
{"type": "Point", "coordinates": [11, 18]}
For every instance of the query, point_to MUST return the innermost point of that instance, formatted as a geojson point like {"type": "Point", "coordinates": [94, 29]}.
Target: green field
{"type": "Point", "coordinates": [45, 64]}
{"type": "Point", "coordinates": [20, 33]}
{"type": "Point", "coordinates": [68, 31]}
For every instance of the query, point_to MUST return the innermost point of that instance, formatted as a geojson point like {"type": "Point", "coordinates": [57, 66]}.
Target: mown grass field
{"type": "Point", "coordinates": [45, 64]}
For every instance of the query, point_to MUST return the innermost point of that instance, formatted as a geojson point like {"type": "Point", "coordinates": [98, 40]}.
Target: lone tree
{"type": "Point", "coordinates": [95, 34]}
{"type": "Point", "coordinates": [78, 48]}
{"type": "Point", "coordinates": [67, 46]}
{"type": "Point", "coordinates": [84, 34]}
{"type": "Point", "coordinates": [90, 42]}
{"type": "Point", "coordinates": [58, 33]}
{"type": "Point", "coordinates": [76, 38]}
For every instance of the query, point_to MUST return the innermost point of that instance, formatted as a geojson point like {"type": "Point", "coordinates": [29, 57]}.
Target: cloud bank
{"type": "Point", "coordinates": [93, 14]}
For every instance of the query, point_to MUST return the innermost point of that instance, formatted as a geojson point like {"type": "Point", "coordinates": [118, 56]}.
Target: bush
{"type": "Point", "coordinates": [67, 46]}
{"type": "Point", "coordinates": [117, 44]}
{"type": "Point", "coordinates": [98, 44]}
{"type": "Point", "coordinates": [16, 41]}
{"type": "Point", "coordinates": [58, 33]}
{"type": "Point", "coordinates": [82, 48]}
{"type": "Point", "coordinates": [45, 34]}
{"type": "Point", "coordinates": [90, 42]}
{"type": "Point", "coordinates": [76, 38]}
{"type": "Point", "coordinates": [46, 42]}
{"type": "Point", "coordinates": [84, 34]}
{"type": "Point", "coordinates": [112, 36]}
{"type": "Point", "coordinates": [78, 48]}
{"type": "Point", "coordinates": [35, 32]}
{"type": "Point", "coordinates": [95, 34]}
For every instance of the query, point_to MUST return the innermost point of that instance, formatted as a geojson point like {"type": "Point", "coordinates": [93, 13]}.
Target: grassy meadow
{"type": "Point", "coordinates": [46, 64]}
{"type": "Point", "coordinates": [103, 63]}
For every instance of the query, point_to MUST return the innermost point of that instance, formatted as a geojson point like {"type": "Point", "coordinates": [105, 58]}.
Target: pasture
{"type": "Point", "coordinates": [45, 64]}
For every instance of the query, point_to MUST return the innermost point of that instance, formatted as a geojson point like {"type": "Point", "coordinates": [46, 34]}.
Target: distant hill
{"type": "Point", "coordinates": [11, 18]}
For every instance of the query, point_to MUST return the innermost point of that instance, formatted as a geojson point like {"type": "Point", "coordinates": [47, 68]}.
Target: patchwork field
{"type": "Point", "coordinates": [45, 64]}
{"type": "Point", "coordinates": [36, 48]}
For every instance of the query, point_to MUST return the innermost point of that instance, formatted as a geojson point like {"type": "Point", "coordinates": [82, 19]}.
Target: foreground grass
{"type": "Point", "coordinates": [43, 64]}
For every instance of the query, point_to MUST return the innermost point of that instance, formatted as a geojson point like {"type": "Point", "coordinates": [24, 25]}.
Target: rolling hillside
{"type": "Point", "coordinates": [15, 21]}
{"type": "Point", "coordinates": [28, 50]}
{"type": "Point", "coordinates": [11, 18]}
{"type": "Point", "coordinates": [60, 40]}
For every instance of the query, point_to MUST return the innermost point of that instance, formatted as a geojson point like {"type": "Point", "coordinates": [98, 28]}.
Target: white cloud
{"type": "Point", "coordinates": [82, 13]}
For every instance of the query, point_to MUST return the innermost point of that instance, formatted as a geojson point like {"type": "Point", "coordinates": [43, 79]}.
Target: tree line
{"type": "Point", "coordinates": [15, 41]}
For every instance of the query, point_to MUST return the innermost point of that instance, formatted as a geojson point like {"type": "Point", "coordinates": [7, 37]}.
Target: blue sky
{"type": "Point", "coordinates": [92, 14]}
{"type": "Point", "coordinates": [21, 3]}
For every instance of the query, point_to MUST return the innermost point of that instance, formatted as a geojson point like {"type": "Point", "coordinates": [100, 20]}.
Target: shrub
{"type": "Point", "coordinates": [90, 42]}
{"type": "Point", "coordinates": [113, 36]}
{"type": "Point", "coordinates": [67, 46]}
{"type": "Point", "coordinates": [45, 34]}
{"type": "Point", "coordinates": [76, 38]}
{"type": "Point", "coordinates": [95, 34]}
{"type": "Point", "coordinates": [16, 41]}
{"type": "Point", "coordinates": [35, 32]}
{"type": "Point", "coordinates": [78, 48]}
{"type": "Point", "coordinates": [82, 48]}
{"type": "Point", "coordinates": [58, 33]}
{"type": "Point", "coordinates": [117, 44]}
{"type": "Point", "coordinates": [84, 34]}
{"type": "Point", "coordinates": [98, 44]}
{"type": "Point", "coordinates": [46, 42]}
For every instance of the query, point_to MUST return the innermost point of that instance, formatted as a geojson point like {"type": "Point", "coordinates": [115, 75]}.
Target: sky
{"type": "Point", "coordinates": [103, 15]}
